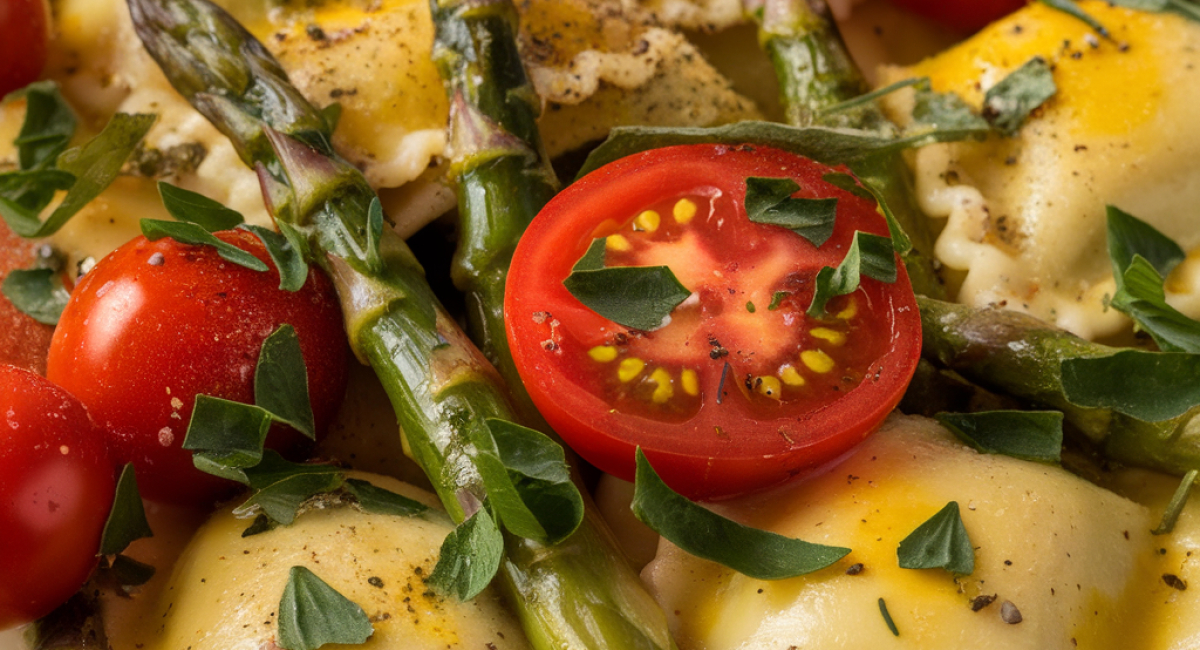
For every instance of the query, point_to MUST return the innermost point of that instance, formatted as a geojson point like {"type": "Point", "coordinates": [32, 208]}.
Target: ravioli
{"type": "Point", "coordinates": [1025, 217]}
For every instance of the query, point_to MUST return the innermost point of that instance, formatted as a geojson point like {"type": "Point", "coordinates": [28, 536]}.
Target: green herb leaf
{"type": "Point", "coordinates": [293, 270]}
{"type": "Point", "coordinates": [1129, 237]}
{"type": "Point", "coordinates": [261, 524]}
{"type": "Point", "coordinates": [127, 519]}
{"type": "Point", "coordinates": [190, 233]}
{"type": "Point", "coordinates": [593, 259]}
{"type": "Point", "coordinates": [1008, 103]}
{"type": "Point", "coordinates": [48, 127]}
{"type": "Point", "coordinates": [939, 543]}
{"type": "Point", "coordinates": [281, 500]}
{"type": "Point", "coordinates": [332, 114]}
{"type": "Point", "coordinates": [1149, 386]}
{"type": "Point", "coordinates": [769, 201]}
{"type": "Point", "coordinates": [887, 618]}
{"type": "Point", "coordinates": [901, 243]}
{"type": "Point", "coordinates": [869, 255]}
{"type": "Point", "coordinates": [37, 293]}
{"type": "Point", "coordinates": [470, 557]}
{"type": "Point", "coordinates": [274, 468]}
{"type": "Point", "coordinates": [1029, 435]}
{"type": "Point", "coordinates": [226, 436]}
{"type": "Point", "coordinates": [31, 191]}
{"type": "Point", "coordinates": [528, 482]}
{"type": "Point", "coordinates": [193, 207]}
{"type": "Point", "coordinates": [312, 614]}
{"type": "Point", "coordinates": [128, 572]}
{"type": "Point", "coordinates": [379, 501]}
{"type": "Point", "coordinates": [639, 297]}
{"type": "Point", "coordinates": [281, 381]}
{"type": "Point", "coordinates": [374, 235]}
{"type": "Point", "coordinates": [865, 98]}
{"type": "Point", "coordinates": [94, 166]}
{"type": "Point", "coordinates": [757, 553]}
{"type": "Point", "coordinates": [1070, 8]}
{"type": "Point", "coordinates": [1178, 501]}
{"type": "Point", "coordinates": [777, 299]}
{"type": "Point", "coordinates": [946, 112]}
{"type": "Point", "coordinates": [1143, 299]}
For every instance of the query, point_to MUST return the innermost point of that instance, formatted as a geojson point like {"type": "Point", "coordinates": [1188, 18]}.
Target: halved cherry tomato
{"type": "Point", "coordinates": [56, 490]}
{"type": "Point", "coordinates": [741, 389]}
{"type": "Point", "coordinates": [964, 15]}
{"type": "Point", "coordinates": [23, 33]}
{"type": "Point", "coordinates": [156, 323]}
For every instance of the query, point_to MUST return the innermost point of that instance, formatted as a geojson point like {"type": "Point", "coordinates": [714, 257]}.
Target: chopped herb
{"type": "Point", "coordinates": [860, 100]}
{"type": "Point", "coordinates": [1178, 500]}
{"type": "Point", "coordinates": [281, 501]}
{"type": "Point", "coordinates": [756, 553]}
{"type": "Point", "coordinates": [312, 614]}
{"type": "Point", "coordinates": [37, 293]}
{"type": "Point", "coordinates": [593, 259]}
{"type": "Point", "coordinates": [261, 524]}
{"type": "Point", "coordinates": [190, 233]}
{"type": "Point", "coordinates": [777, 299]}
{"type": "Point", "coordinates": [1149, 386]}
{"type": "Point", "coordinates": [750, 307]}
{"type": "Point", "coordinates": [1029, 435]}
{"type": "Point", "coordinates": [869, 255]}
{"type": "Point", "coordinates": [946, 112]}
{"type": "Point", "coordinates": [227, 437]}
{"type": "Point", "coordinates": [858, 187]}
{"type": "Point", "coordinates": [941, 542]}
{"type": "Point", "coordinates": [887, 618]}
{"type": "Point", "coordinates": [288, 259]}
{"type": "Point", "coordinates": [379, 501]}
{"type": "Point", "coordinates": [193, 207]}
{"type": "Point", "coordinates": [639, 297]}
{"type": "Point", "coordinates": [1070, 8]}
{"type": "Point", "coordinates": [127, 519]}
{"type": "Point", "coordinates": [769, 201]}
{"type": "Point", "coordinates": [469, 558]}
{"type": "Point", "coordinates": [1008, 103]}
{"type": "Point", "coordinates": [48, 127]}
{"type": "Point", "coordinates": [281, 381]}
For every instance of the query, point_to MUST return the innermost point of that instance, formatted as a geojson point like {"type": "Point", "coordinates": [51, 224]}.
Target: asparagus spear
{"type": "Point", "coordinates": [579, 593]}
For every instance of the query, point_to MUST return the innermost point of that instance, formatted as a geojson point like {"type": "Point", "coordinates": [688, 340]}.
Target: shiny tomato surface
{"type": "Point", "coordinates": [23, 33]}
{"type": "Point", "coordinates": [741, 389]}
{"type": "Point", "coordinates": [156, 323]}
{"type": "Point", "coordinates": [964, 15]}
{"type": "Point", "coordinates": [56, 490]}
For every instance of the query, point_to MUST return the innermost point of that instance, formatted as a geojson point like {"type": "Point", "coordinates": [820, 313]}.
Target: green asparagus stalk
{"type": "Point", "coordinates": [816, 73]}
{"type": "Point", "coordinates": [579, 593]}
{"type": "Point", "coordinates": [498, 163]}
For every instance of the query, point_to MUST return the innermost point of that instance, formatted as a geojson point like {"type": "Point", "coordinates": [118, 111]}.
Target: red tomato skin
{"type": "Point", "coordinates": [24, 28]}
{"type": "Point", "coordinates": [752, 454]}
{"type": "Point", "coordinates": [56, 490]}
{"type": "Point", "coordinates": [966, 16]}
{"type": "Point", "coordinates": [140, 338]}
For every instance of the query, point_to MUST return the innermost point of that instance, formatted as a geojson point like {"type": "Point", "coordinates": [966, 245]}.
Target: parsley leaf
{"type": "Point", "coordinates": [1149, 386]}
{"type": "Point", "coordinates": [469, 558]}
{"type": "Point", "coordinates": [312, 614]}
{"type": "Point", "coordinates": [379, 501]}
{"type": "Point", "coordinates": [1008, 103]}
{"type": "Point", "coordinates": [756, 553]}
{"type": "Point", "coordinates": [769, 201]}
{"type": "Point", "coordinates": [869, 255]}
{"type": "Point", "coordinates": [593, 258]}
{"type": "Point", "coordinates": [281, 381]}
{"type": "Point", "coordinates": [860, 188]}
{"type": "Point", "coordinates": [639, 297]}
{"type": "Point", "coordinates": [193, 207]}
{"type": "Point", "coordinates": [940, 542]}
{"type": "Point", "coordinates": [190, 233]}
{"type": "Point", "coordinates": [1029, 435]}
{"type": "Point", "coordinates": [293, 270]}
{"type": "Point", "coordinates": [37, 293]}
{"type": "Point", "coordinates": [127, 519]}
{"type": "Point", "coordinates": [227, 437]}
{"type": "Point", "coordinates": [281, 500]}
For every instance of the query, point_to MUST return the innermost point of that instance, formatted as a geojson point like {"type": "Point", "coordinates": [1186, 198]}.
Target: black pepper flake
{"type": "Point", "coordinates": [1175, 582]}
{"type": "Point", "coordinates": [1009, 613]}
{"type": "Point", "coordinates": [855, 569]}
{"type": "Point", "coordinates": [981, 601]}
{"type": "Point", "coordinates": [315, 32]}
{"type": "Point", "coordinates": [375, 581]}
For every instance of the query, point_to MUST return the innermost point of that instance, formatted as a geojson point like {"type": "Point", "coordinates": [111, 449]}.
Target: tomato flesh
{"type": "Point", "coordinates": [56, 490]}
{"type": "Point", "coordinates": [741, 389]}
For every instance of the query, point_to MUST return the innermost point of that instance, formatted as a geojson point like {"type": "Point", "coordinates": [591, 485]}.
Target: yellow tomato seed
{"type": "Point", "coordinates": [648, 221]}
{"type": "Point", "coordinates": [849, 312]}
{"type": "Point", "coordinates": [690, 382]}
{"type": "Point", "coordinates": [617, 243]}
{"type": "Point", "coordinates": [791, 376]}
{"type": "Point", "coordinates": [663, 390]}
{"type": "Point", "coordinates": [630, 369]}
{"type": "Point", "coordinates": [768, 386]}
{"type": "Point", "coordinates": [833, 336]}
{"type": "Point", "coordinates": [684, 210]}
{"type": "Point", "coordinates": [603, 353]}
{"type": "Point", "coordinates": [817, 361]}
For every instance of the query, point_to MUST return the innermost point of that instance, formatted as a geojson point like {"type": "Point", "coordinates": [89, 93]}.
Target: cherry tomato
{"type": "Point", "coordinates": [963, 15]}
{"type": "Point", "coordinates": [156, 323]}
{"type": "Point", "coordinates": [23, 33]}
{"type": "Point", "coordinates": [741, 389]}
{"type": "Point", "coordinates": [56, 490]}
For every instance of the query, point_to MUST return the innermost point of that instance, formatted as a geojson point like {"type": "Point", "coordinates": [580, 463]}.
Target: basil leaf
{"type": "Point", "coordinates": [128, 572]}
{"type": "Point", "coordinates": [226, 436]}
{"type": "Point", "coordinates": [37, 293]}
{"type": "Point", "coordinates": [190, 233]}
{"type": "Point", "coordinates": [869, 255]}
{"type": "Point", "coordinates": [48, 127]}
{"type": "Point", "coordinates": [1029, 435]}
{"type": "Point", "coordinates": [1009, 103]}
{"type": "Point", "coordinates": [127, 519]}
{"type": "Point", "coordinates": [769, 201]}
{"type": "Point", "coordinates": [1143, 299]}
{"type": "Point", "coordinates": [1070, 8]}
{"type": "Point", "coordinates": [1178, 501]}
{"type": "Point", "coordinates": [379, 501]}
{"type": "Point", "coordinates": [293, 270]}
{"type": "Point", "coordinates": [528, 482]}
{"type": "Point", "coordinates": [374, 235]}
{"type": "Point", "coordinates": [469, 558]}
{"type": "Point", "coordinates": [593, 259]}
{"type": "Point", "coordinates": [193, 207]}
{"type": "Point", "coordinates": [94, 166]}
{"type": "Point", "coordinates": [281, 381]}
{"type": "Point", "coordinates": [1149, 386]}
{"type": "Point", "coordinates": [939, 543]}
{"type": "Point", "coordinates": [901, 242]}
{"type": "Point", "coordinates": [312, 614]}
{"type": "Point", "coordinates": [639, 297]}
{"type": "Point", "coordinates": [281, 500]}
{"type": "Point", "coordinates": [1129, 236]}
{"type": "Point", "coordinates": [756, 553]}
